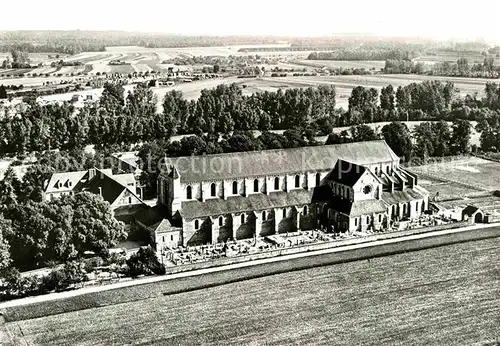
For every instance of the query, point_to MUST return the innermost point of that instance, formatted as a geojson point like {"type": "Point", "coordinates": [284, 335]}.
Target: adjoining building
{"type": "Point", "coordinates": [344, 187]}
{"type": "Point", "coordinates": [119, 190]}
{"type": "Point", "coordinates": [481, 208]}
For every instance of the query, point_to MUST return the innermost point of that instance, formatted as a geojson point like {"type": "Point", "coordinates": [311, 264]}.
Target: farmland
{"type": "Point", "coordinates": [440, 296]}
{"type": "Point", "coordinates": [343, 84]}
{"type": "Point", "coordinates": [139, 59]}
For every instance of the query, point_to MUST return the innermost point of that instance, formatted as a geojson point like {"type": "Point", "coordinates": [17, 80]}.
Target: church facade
{"type": "Point", "coordinates": [343, 187]}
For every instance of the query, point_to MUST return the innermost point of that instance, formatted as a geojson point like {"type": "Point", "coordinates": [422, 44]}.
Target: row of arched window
{"type": "Point", "coordinates": [213, 186]}
{"type": "Point", "coordinates": [242, 217]}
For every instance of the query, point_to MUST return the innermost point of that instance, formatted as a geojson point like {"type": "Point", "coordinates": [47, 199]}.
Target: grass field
{"type": "Point", "coordinates": [441, 296]}
{"type": "Point", "coordinates": [472, 171]}
{"type": "Point", "coordinates": [452, 57]}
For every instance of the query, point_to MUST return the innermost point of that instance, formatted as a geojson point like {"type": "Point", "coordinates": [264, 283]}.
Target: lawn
{"type": "Point", "coordinates": [441, 296]}
{"type": "Point", "coordinates": [475, 172]}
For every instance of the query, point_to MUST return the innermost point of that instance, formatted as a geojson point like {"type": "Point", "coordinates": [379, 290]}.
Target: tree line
{"type": "Point", "coordinates": [461, 68]}
{"type": "Point", "coordinates": [365, 54]}
{"type": "Point", "coordinates": [127, 119]}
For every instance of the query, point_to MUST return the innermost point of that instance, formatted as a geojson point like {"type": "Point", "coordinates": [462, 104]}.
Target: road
{"type": "Point", "coordinates": [225, 268]}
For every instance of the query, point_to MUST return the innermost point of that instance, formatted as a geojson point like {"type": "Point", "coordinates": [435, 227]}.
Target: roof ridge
{"type": "Point", "coordinates": [280, 149]}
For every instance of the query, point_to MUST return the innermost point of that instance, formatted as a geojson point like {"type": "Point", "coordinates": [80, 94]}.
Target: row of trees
{"type": "Point", "coordinates": [365, 54]}
{"type": "Point", "coordinates": [120, 119]}
{"type": "Point", "coordinates": [461, 68]}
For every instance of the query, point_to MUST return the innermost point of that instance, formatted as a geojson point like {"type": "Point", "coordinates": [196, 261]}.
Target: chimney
{"type": "Point", "coordinates": [91, 173]}
{"type": "Point", "coordinates": [100, 191]}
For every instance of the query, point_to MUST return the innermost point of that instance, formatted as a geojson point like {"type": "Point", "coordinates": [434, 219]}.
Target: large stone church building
{"type": "Point", "coordinates": [343, 187]}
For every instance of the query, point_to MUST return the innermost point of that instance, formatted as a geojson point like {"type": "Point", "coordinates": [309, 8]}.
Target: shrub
{"type": "Point", "coordinates": [145, 262]}
{"type": "Point", "coordinates": [62, 278]}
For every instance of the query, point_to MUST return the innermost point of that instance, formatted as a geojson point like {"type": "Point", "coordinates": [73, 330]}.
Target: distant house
{"type": "Point", "coordinates": [119, 190]}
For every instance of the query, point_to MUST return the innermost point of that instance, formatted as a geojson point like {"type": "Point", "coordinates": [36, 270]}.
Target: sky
{"type": "Point", "coordinates": [424, 18]}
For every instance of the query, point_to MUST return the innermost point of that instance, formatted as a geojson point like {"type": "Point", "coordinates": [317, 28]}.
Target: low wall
{"type": "Point", "coordinates": [189, 283]}
{"type": "Point", "coordinates": [311, 247]}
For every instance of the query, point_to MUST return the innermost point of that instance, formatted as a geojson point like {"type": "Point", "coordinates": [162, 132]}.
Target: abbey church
{"type": "Point", "coordinates": [343, 187]}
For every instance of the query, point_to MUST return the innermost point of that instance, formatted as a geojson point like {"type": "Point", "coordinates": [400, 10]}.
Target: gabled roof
{"type": "Point", "coordinates": [398, 196]}
{"type": "Point", "coordinates": [358, 208]}
{"type": "Point", "coordinates": [254, 202]}
{"type": "Point", "coordinates": [470, 210]}
{"type": "Point", "coordinates": [346, 173]}
{"type": "Point", "coordinates": [125, 179]}
{"type": "Point", "coordinates": [68, 181]}
{"type": "Point", "coordinates": [111, 187]}
{"type": "Point", "coordinates": [280, 161]}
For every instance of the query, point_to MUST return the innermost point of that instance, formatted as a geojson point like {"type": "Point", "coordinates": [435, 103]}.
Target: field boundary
{"type": "Point", "coordinates": [153, 287]}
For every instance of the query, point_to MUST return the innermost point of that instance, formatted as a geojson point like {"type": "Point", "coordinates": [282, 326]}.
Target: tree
{"type": "Point", "coordinates": [463, 66]}
{"type": "Point", "coordinates": [460, 139]}
{"type": "Point", "coordinates": [145, 262]}
{"type": "Point", "coordinates": [9, 188]}
{"type": "Point", "coordinates": [443, 138]}
{"type": "Point", "coordinates": [61, 278]}
{"type": "Point", "coordinates": [398, 137]}
{"type": "Point", "coordinates": [5, 259]}
{"type": "Point", "coordinates": [94, 228]}
{"type": "Point", "coordinates": [3, 92]}
{"type": "Point", "coordinates": [112, 98]}
{"type": "Point", "coordinates": [387, 96]}
{"type": "Point", "coordinates": [241, 141]}
{"type": "Point", "coordinates": [32, 185]}
{"type": "Point", "coordinates": [362, 133]}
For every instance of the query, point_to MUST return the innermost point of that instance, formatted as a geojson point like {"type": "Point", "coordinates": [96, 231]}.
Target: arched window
{"type": "Point", "coordinates": [189, 192]}
{"type": "Point", "coordinates": [264, 215]}
{"type": "Point", "coordinates": [355, 221]}
{"type": "Point", "coordinates": [196, 224]}
{"type": "Point", "coordinates": [221, 221]}
{"type": "Point", "coordinates": [380, 218]}
{"type": "Point", "coordinates": [387, 169]}
{"type": "Point", "coordinates": [235, 188]}
{"type": "Point", "coordinates": [284, 212]}
{"type": "Point", "coordinates": [297, 181]}
{"type": "Point", "coordinates": [394, 210]}
{"type": "Point", "coordinates": [213, 190]}
{"type": "Point", "coordinates": [416, 206]}
{"type": "Point", "coordinates": [318, 179]}
{"type": "Point", "coordinates": [242, 218]}
{"type": "Point", "coordinates": [367, 220]}
{"type": "Point", "coordinates": [376, 170]}
{"type": "Point", "coordinates": [304, 210]}
{"type": "Point", "coordinates": [256, 185]}
{"type": "Point", "coordinates": [276, 183]}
